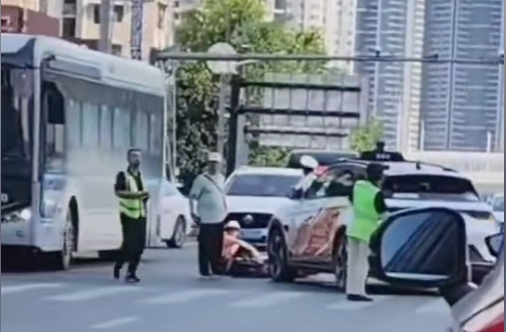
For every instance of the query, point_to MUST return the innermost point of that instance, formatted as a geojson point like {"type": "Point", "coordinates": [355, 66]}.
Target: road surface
{"type": "Point", "coordinates": [171, 297]}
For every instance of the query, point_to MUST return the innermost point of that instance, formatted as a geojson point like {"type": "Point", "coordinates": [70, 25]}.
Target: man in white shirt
{"type": "Point", "coordinates": [209, 208]}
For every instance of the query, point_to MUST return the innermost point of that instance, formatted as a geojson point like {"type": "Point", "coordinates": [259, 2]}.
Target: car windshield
{"type": "Point", "coordinates": [499, 204]}
{"type": "Point", "coordinates": [264, 185]}
{"type": "Point", "coordinates": [429, 187]}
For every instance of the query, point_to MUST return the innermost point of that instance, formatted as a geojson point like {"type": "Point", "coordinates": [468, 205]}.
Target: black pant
{"type": "Point", "coordinates": [134, 241]}
{"type": "Point", "coordinates": [210, 248]}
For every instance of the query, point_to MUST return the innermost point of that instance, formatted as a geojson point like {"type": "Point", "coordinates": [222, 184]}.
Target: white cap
{"type": "Point", "coordinates": [233, 224]}
{"type": "Point", "coordinates": [309, 162]}
{"type": "Point", "coordinates": [214, 157]}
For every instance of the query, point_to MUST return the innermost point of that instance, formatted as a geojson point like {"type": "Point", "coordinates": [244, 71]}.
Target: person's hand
{"type": "Point", "coordinates": [195, 218]}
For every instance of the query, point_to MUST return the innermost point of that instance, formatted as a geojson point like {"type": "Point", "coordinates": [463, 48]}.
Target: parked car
{"type": "Point", "coordinates": [427, 249]}
{"type": "Point", "coordinates": [173, 219]}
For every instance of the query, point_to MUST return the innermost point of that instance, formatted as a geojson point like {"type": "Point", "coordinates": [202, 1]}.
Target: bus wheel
{"type": "Point", "coordinates": [63, 259]}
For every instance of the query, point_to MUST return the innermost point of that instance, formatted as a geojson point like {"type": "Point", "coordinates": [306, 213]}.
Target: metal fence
{"type": "Point", "coordinates": [317, 102]}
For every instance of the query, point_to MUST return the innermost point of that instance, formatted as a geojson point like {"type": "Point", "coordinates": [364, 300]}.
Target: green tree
{"type": "Point", "coordinates": [240, 23]}
{"type": "Point", "coordinates": [270, 157]}
{"type": "Point", "coordinates": [365, 138]}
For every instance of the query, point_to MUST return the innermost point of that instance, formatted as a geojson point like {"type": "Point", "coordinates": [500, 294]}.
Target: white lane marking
{"type": "Point", "coordinates": [117, 322]}
{"type": "Point", "coordinates": [28, 287]}
{"type": "Point", "coordinates": [268, 300]}
{"type": "Point", "coordinates": [183, 297]}
{"type": "Point", "coordinates": [345, 305]}
{"type": "Point", "coordinates": [93, 293]}
{"type": "Point", "coordinates": [434, 307]}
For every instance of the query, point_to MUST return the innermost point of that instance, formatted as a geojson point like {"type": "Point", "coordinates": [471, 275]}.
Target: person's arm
{"type": "Point", "coordinates": [195, 192]}
{"type": "Point", "coordinates": [120, 188]}
{"type": "Point", "coordinates": [248, 247]}
{"type": "Point", "coordinates": [379, 203]}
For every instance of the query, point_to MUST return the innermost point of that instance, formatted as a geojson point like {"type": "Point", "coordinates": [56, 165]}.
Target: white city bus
{"type": "Point", "coordinates": [69, 115]}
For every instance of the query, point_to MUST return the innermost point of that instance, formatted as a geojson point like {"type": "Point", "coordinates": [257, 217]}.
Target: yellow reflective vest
{"type": "Point", "coordinates": [366, 218]}
{"type": "Point", "coordinates": [132, 207]}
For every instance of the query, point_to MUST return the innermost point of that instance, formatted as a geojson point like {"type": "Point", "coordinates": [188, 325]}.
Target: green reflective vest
{"type": "Point", "coordinates": [132, 207]}
{"type": "Point", "coordinates": [366, 217]}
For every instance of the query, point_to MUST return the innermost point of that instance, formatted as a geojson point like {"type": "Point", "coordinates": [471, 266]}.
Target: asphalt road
{"type": "Point", "coordinates": [172, 297]}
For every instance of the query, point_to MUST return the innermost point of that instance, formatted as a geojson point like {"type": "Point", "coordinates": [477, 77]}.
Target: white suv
{"type": "Point", "coordinates": [307, 234]}
{"type": "Point", "coordinates": [254, 195]}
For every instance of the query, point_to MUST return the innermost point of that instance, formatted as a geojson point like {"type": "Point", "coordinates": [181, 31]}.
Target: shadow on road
{"type": "Point", "coordinates": [326, 287]}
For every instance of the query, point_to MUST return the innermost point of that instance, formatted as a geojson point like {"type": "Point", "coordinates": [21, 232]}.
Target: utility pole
{"type": "Point", "coordinates": [105, 42]}
{"type": "Point", "coordinates": [222, 105]}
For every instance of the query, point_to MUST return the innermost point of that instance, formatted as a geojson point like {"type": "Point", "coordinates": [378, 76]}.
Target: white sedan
{"type": "Point", "coordinates": [173, 220]}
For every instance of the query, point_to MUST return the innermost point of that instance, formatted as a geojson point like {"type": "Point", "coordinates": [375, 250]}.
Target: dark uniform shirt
{"type": "Point", "coordinates": [121, 183]}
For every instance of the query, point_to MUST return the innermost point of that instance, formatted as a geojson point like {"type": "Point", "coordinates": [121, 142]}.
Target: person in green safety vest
{"type": "Point", "coordinates": [132, 196]}
{"type": "Point", "coordinates": [368, 206]}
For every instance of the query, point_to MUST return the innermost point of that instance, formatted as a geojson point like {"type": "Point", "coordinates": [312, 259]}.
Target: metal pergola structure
{"type": "Point", "coordinates": [171, 59]}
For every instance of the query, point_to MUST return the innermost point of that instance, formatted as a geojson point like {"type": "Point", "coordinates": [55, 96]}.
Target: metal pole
{"type": "Point", "coordinates": [105, 42]}
{"type": "Point", "coordinates": [220, 130]}
{"type": "Point", "coordinates": [165, 55]}
{"type": "Point", "coordinates": [174, 116]}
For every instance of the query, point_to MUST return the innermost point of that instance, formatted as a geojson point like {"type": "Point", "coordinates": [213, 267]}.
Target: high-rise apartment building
{"type": "Point", "coordinates": [500, 91]}
{"type": "Point", "coordinates": [393, 28]}
{"type": "Point", "coordinates": [460, 101]}
{"type": "Point", "coordinates": [335, 19]}
{"type": "Point", "coordinates": [82, 22]}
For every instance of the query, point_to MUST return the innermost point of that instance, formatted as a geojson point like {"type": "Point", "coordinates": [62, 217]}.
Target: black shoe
{"type": "Point", "coordinates": [132, 279]}
{"type": "Point", "coordinates": [358, 298]}
{"type": "Point", "coordinates": [117, 273]}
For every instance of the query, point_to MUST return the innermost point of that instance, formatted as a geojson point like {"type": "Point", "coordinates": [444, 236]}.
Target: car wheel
{"type": "Point", "coordinates": [179, 236]}
{"type": "Point", "coordinates": [62, 260]}
{"type": "Point", "coordinates": [340, 262]}
{"type": "Point", "coordinates": [277, 267]}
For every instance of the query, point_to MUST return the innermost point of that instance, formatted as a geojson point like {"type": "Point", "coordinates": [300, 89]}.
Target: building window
{"type": "Point", "coordinates": [119, 13]}
{"type": "Point", "coordinates": [161, 16]}
{"type": "Point", "coordinates": [69, 27]}
{"type": "Point", "coordinates": [116, 50]}
{"type": "Point", "coordinates": [96, 14]}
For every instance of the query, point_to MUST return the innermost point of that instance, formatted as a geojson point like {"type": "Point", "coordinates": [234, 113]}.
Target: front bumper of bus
{"type": "Point", "coordinates": [21, 231]}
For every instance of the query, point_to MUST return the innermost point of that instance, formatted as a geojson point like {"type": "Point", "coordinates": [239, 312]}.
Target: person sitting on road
{"type": "Point", "coordinates": [234, 247]}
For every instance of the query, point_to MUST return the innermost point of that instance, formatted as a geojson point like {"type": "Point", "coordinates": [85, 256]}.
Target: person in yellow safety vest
{"type": "Point", "coordinates": [132, 196]}
{"type": "Point", "coordinates": [368, 206]}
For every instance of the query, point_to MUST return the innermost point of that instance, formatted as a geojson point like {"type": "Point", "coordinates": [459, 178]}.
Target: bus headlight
{"type": "Point", "coordinates": [26, 214]}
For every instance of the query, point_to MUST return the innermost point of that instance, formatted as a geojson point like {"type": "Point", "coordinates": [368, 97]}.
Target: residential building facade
{"type": "Point", "coordinates": [81, 21]}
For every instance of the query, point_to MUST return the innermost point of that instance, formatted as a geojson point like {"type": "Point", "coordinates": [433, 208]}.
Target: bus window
{"type": "Point", "coordinates": [141, 130]}
{"type": "Point", "coordinates": [53, 108]}
{"type": "Point", "coordinates": [106, 127]}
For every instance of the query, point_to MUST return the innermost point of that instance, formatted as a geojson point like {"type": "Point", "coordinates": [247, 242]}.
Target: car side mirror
{"type": "Point", "coordinates": [495, 244]}
{"type": "Point", "coordinates": [423, 248]}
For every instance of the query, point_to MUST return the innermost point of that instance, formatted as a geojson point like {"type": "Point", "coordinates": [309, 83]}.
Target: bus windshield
{"type": "Point", "coordinates": [15, 116]}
